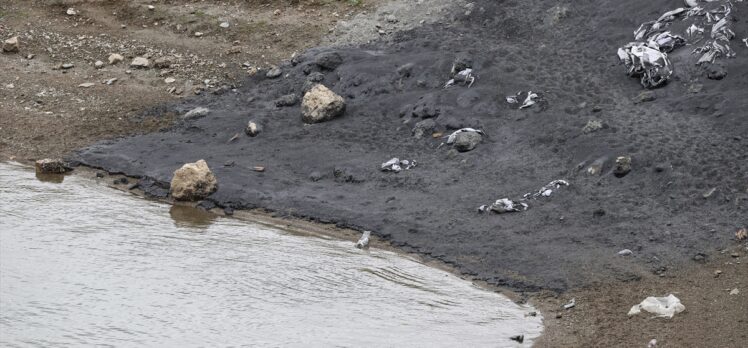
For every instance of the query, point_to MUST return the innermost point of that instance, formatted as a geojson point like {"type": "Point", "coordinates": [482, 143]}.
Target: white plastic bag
{"type": "Point", "coordinates": [662, 306]}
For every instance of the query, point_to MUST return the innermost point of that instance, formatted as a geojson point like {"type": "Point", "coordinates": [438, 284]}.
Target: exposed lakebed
{"type": "Point", "coordinates": [82, 264]}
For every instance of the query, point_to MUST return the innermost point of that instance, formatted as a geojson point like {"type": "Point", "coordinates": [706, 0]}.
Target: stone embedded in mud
{"type": "Point", "coordinates": [11, 45]}
{"type": "Point", "coordinates": [196, 113]}
{"type": "Point", "coordinates": [424, 127]}
{"type": "Point", "coordinates": [716, 72]}
{"type": "Point", "coordinates": [253, 129]}
{"type": "Point", "coordinates": [274, 73]}
{"type": "Point", "coordinates": [287, 100]}
{"type": "Point", "coordinates": [328, 60]}
{"type": "Point", "coordinates": [115, 58]}
{"type": "Point", "coordinates": [141, 63]}
{"type": "Point", "coordinates": [321, 104]}
{"type": "Point", "coordinates": [623, 166]}
{"type": "Point", "coordinates": [467, 141]}
{"type": "Point", "coordinates": [592, 126]}
{"type": "Point", "coordinates": [51, 166]}
{"type": "Point", "coordinates": [193, 182]}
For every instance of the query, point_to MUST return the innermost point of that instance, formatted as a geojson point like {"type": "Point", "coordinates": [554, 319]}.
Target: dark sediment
{"type": "Point", "coordinates": [682, 144]}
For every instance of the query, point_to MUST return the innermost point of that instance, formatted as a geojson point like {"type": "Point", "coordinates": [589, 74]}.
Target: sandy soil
{"type": "Point", "coordinates": [684, 143]}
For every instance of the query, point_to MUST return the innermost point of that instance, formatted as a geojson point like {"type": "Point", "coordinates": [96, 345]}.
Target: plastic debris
{"type": "Point", "coordinates": [504, 205]}
{"type": "Point", "coordinates": [647, 58]}
{"type": "Point", "coordinates": [463, 77]}
{"type": "Point", "coordinates": [665, 307]}
{"type": "Point", "coordinates": [363, 242]}
{"type": "Point", "coordinates": [547, 190]}
{"type": "Point", "coordinates": [571, 304]}
{"type": "Point", "coordinates": [528, 99]}
{"type": "Point", "coordinates": [396, 165]}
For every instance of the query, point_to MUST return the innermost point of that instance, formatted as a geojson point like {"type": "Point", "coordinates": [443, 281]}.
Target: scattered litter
{"type": "Point", "coordinates": [504, 205]}
{"type": "Point", "coordinates": [396, 165]}
{"type": "Point", "coordinates": [518, 338]}
{"type": "Point", "coordinates": [734, 291]}
{"type": "Point", "coordinates": [363, 242]}
{"type": "Point", "coordinates": [464, 77]}
{"type": "Point", "coordinates": [625, 252]}
{"type": "Point", "coordinates": [662, 306]}
{"type": "Point", "coordinates": [571, 304]}
{"type": "Point", "coordinates": [652, 343]}
{"type": "Point", "coordinates": [453, 136]}
{"type": "Point", "coordinates": [547, 190]}
{"type": "Point", "coordinates": [647, 58]}
{"type": "Point", "coordinates": [528, 99]}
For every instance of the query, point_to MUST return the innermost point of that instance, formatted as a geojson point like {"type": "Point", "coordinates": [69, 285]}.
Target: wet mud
{"type": "Point", "coordinates": [685, 195]}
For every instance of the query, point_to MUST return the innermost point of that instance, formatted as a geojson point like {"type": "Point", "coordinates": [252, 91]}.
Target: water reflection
{"type": "Point", "coordinates": [186, 216]}
{"type": "Point", "coordinates": [51, 178]}
{"type": "Point", "coordinates": [101, 267]}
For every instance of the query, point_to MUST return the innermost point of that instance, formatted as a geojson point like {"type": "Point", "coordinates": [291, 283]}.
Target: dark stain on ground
{"type": "Point", "coordinates": [682, 145]}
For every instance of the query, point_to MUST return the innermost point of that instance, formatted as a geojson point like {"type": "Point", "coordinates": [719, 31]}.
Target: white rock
{"type": "Point", "coordinates": [170, 80]}
{"type": "Point", "coordinates": [115, 58]}
{"type": "Point", "coordinates": [151, 7]}
{"type": "Point", "coordinates": [87, 84]}
{"type": "Point", "coordinates": [192, 182]}
{"type": "Point", "coordinates": [321, 104]}
{"type": "Point", "coordinates": [99, 64]}
{"type": "Point", "coordinates": [11, 45]}
{"type": "Point", "coordinates": [224, 25]}
{"type": "Point", "coordinates": [140, 62]}
{"type": "Point", "coordinates": [71, 12]}
{"type": "Point", "coordinates": [197, 113]}
{"type": "Point", "coordinates": [198, 34]}
{"type": "Point", "coordinates": [625, 252]}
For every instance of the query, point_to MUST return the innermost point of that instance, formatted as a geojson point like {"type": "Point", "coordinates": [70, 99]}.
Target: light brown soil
{"type": "Point", "coordinates": [43, 113]}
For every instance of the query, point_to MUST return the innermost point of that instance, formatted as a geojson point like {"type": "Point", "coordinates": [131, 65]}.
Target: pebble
{"type": "Point", "coordinates": [170, 80]}
{"type": "Point", "coordinates": [67, 66]}
{"type": "Point", "coordinates": [99, 64]}
{"type": "Point", "coordinates": [224, 25]}
{"type": "Point", "coordinates": [625, 252]}
{"type": "Point", "coordinates": [198, 34]}
{"type": "Point", "coordinates": [115, 58]}
{"type": "Point", "coordinates": [71, 12]}
{"type": "Point", "coordinates": [86, 84]}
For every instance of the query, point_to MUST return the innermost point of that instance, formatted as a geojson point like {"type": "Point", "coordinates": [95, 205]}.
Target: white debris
{"type": "Point", "coordinates": [363, 242]}
{"type": "Point", "coordinates": [151, 7]}
{"type": "Point", "coordinates": [648, 63]}
{"type": "Point", "coordinates": [71, 12]}
{"type": "Point", "coordinates": [745, 41]}
{"type": "Point", "coordinates": [734, 291]}
{"type": "Point", "coordinates": [528, 99]}
{"type": "Point", "coordinates": [86, 85]}
{"type": "Point", "coordinates": [396, 165]}
{"type": "Point", "coordinates": [464, 77]}
{"type": "Point", "coordinates": [196, 113]}
{"type": "Point", "coordinates": [504, 205]}
{"type": "Point", "coordinates": [224, 24]}
{"type": "Point", "coordinates": [571, 304]}
{"type": "Point", "coordinates": [653, 342]}
{"type": "Point", "coordinates": [625, 252]}
{"type": "Point", "coordinates": [547, 190]}
{"type": "Point", "coordinates": [665, 307]}
{"type": "Point", "coordinates": [453, 136]}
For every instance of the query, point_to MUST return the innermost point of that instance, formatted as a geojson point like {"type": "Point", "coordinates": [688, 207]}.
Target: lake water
{"type": "Point", "coordinates": [82, 264]}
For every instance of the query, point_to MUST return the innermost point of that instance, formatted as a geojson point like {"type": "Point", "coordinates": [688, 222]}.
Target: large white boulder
{"type": "Point", "coordinates": [320, 104]}
{"type": "Point", "coordinates": [193, 182]}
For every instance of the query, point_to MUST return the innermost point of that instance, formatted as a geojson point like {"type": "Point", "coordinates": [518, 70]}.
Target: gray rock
{"type": "Point", "coordinates": [320, 104]}
{"type": "Point", "coordinates": [315, 77]}
{"type": "Point", "coordinates": [623, 166]}
{"type": "Point", "coordinates": [115, 58]}
{"type": "Point", "coordinates": [425, 127]}
{"type": "Point", "coordinates": [716, 72]}
{"type": "Point", "coordinates": [274, 73]}
{"type": "Point", "coordinates": [467, 141]}
{"type": "Point", "coordinates": [287, 100]}
{"type": "Point", "coordinates": [162, 63]}
{"type": "Point", "coordinates": [98, 64]}
{"type": "Point", "coordinates": [328, 60]}
{"type": "Point", "coordinates": [67, 66]}
{"type": "Point", "coordinates": [592, 126]}
{"type": "Point", "coordinates": [196, 113]}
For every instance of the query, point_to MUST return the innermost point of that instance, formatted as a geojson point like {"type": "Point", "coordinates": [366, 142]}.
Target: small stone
{"type": "Point", "coordinates": [151, 7]}
{"type": "Point", "coordinates": [110, 81]}
{"type": "Point", "coordinates": [193, 182]}
{"type": "Point", "coordinates": [169, 80]}
{"type": "Point", "coordinates": [162, 63]}
{"type": "Point", "coordinates": [224, 24]}
{"type": "Point", "coordinates": [734, 291]}
{"type": "Point", "coordinates": [623, 166]}
{"type": "Point", "coordinates": [253, 129]}
{"type": "Point", "coordinates": [592, 126]}
{"type": "Point", "coordinates": [717, 273]}
{"type": "Point", "coordinates": [287, 100]}
{"type": "Point", "coordinates": [700, 257]}
{"type": "Point", "coordinates": [198, 34]}
{"type": "Point", "coordinates": [51, 166]}
{"type": "Point", "coordinates": [709, 193]}
{"type": "Point", "coordinates": [315, 176]}
{"type": "Point", "coordinates": [716, 72]}
{"type": "Point", "coordinates": [115, 58]}
{"type": "Point", "coordinates": [321, 104]}
{"type": "Point", "coordinates": [646, 96]}
{"type": "Point", "coordinates": [274, 73]}
{"type": "Point", "coordinates": [197, 112]}
{"type": "Point", "coordinates": [259, 169]}
{"type": "Point", "coordinates": [741, 234]}
{"type": "Point", "coordinates": [140, 63]}
{"type": "Point", "coordinates": [735, 255]}
{"type": "Point", "coordinates": [424, 127]}
{"type": "Point", "coordinates": [277, 12]}
{"type": "Point", "coordinates": [87, 85]}
{"type": "Point", "coordinates": [99, 64]}
{"type": "Point", "coordinates": [467, 141]}
{"type": "Point", "coordinates": [67, 66]}
{"type": "Point", "coordinates": [71, 12]}
{"type": "Point", "coordinates": [11, 45]}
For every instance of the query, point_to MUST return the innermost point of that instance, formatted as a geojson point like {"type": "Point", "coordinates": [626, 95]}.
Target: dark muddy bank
{"type": "Point", "coordinates": [683, 145]}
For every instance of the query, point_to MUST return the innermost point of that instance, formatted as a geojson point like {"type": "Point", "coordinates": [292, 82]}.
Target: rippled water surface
{"type": "Point", "coordinates": [84, 265]}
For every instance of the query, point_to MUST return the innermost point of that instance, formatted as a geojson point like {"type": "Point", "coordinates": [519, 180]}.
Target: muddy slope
{"type": "Point", "coordinates": [683, 145]}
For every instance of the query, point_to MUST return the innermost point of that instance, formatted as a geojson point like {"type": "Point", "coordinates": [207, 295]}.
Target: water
{"type": "Point", "coordinates": [85, 265]}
